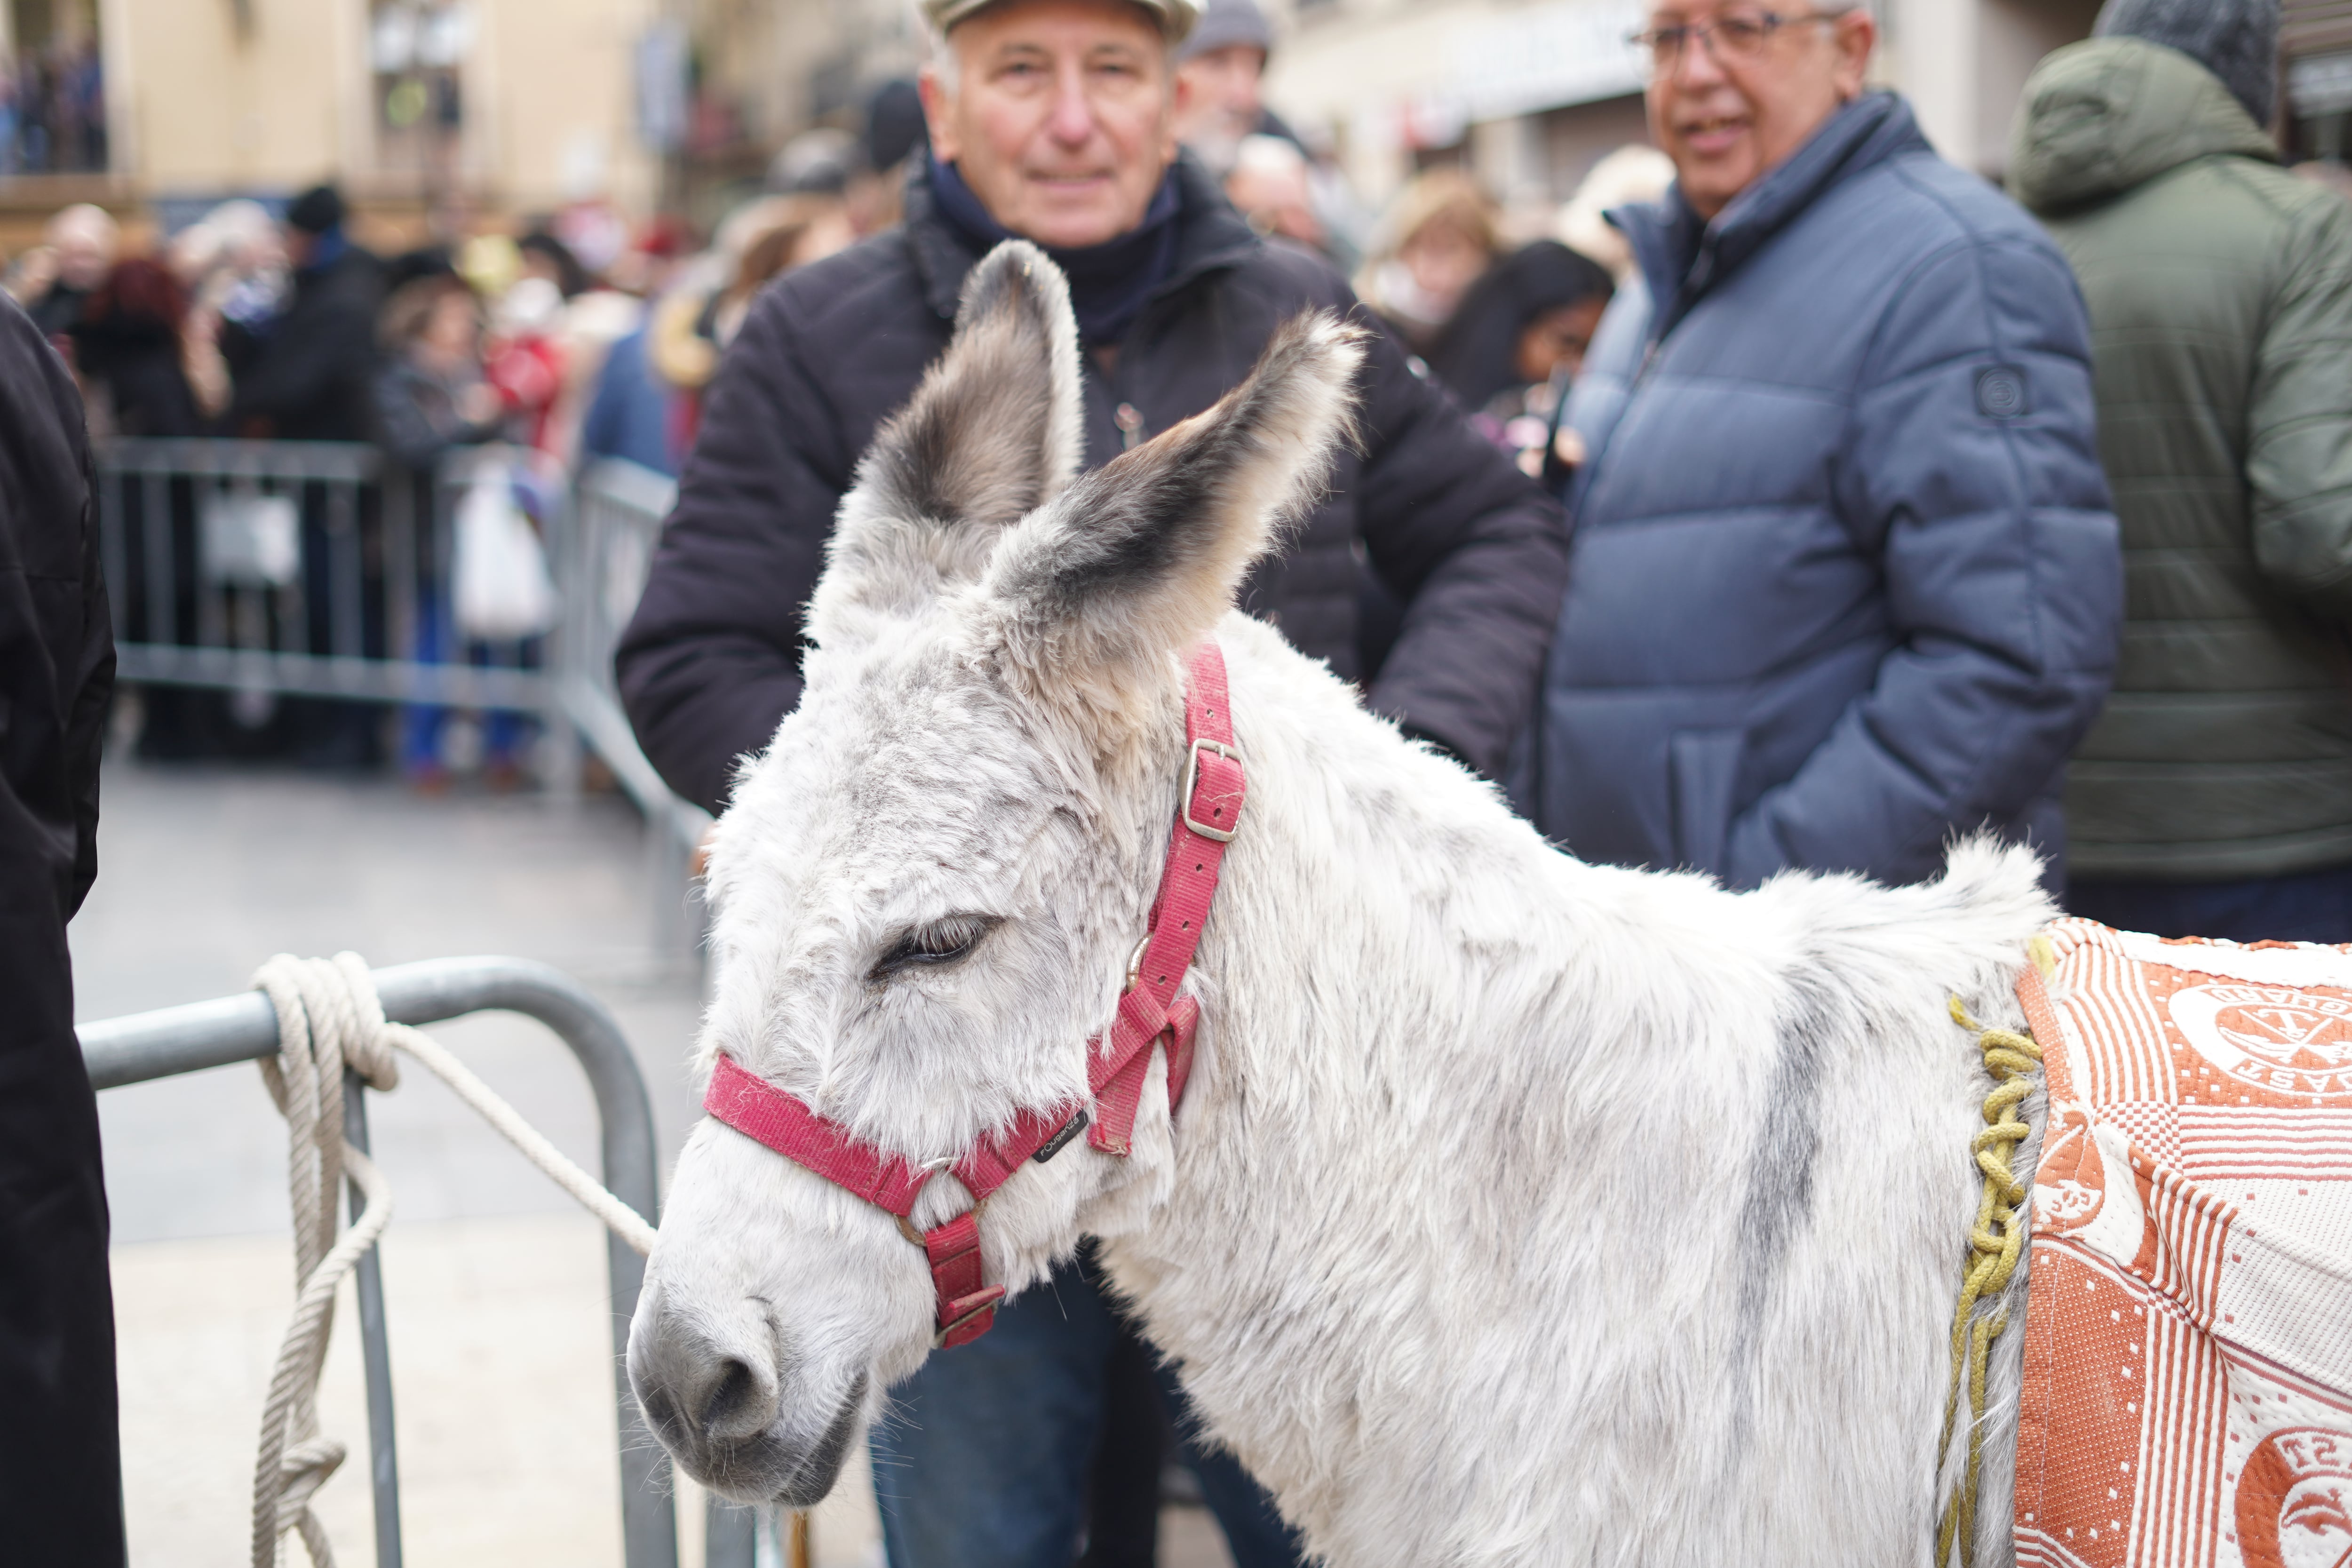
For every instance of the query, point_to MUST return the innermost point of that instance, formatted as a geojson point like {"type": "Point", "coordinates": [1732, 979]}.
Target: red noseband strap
{"type": "Point", "coordinates": [1150, 1013]}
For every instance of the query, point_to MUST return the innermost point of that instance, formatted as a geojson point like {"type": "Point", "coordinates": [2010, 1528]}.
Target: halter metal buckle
{"type": "Point", "coordinates": [1192, 784]}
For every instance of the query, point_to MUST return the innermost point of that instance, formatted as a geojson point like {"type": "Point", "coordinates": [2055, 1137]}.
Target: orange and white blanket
{"type": "Point", "coordinates": [2188, 1394]}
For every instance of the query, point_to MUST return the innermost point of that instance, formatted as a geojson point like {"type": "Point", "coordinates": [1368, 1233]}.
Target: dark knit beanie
{"type": "Point", "coordinates": [2237, 40]}
{"type": "Point", "coordinates": [316, 210]}
{"type": "Point", "coordinates": [1224, 22]}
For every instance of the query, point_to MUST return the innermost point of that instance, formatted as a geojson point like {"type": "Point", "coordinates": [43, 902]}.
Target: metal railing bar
{"type": "Point", "coordinates": [116, 551]}
{"type": "Point", "coordinates": [326, 675]}
{"type": "Point", "coordinates": [375, 1348]}
{"type": "Point", "coordinates": [202, 1035]}
{"type": "Point", "coordinates": [346, 624]}
{"type": "Point", "coordinates": [155, 523]}
{"type": "Point", "coordinates": [350, 460]}
{"type": "Point", "coordinates": [607, 729]}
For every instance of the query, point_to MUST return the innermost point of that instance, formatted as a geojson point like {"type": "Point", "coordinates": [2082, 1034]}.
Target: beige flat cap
{"type": "Point", "coordinates": [1176, 18]}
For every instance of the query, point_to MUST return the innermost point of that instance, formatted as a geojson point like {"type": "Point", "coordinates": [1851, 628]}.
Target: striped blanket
{"type": "Point", "coordinates": [2188, 1394]}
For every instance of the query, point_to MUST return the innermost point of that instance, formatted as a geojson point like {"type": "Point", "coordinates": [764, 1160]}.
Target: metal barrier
{"type": "Point", "coordinates": [244, 1029]}
{"type": "Point", "coordinates": [320, 569]}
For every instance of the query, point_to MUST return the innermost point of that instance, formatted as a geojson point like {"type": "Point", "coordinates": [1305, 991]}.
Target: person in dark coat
{"type": "Point", "coordinates": [127, 348]}
{"type": "Point", "coordinates": [308, 375]}
{"type": "Point", "coordinates": [60, 1460]}
{"type": "Point", "coordinates": [1175, 296]}
{"type": "Point", "coordinates": [1846, 579]}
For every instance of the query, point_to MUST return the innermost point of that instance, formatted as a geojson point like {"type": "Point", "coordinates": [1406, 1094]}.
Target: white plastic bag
{"type": "Point", "coordinates": [499, 588]}
{"type": "Point", "coordinates": [249, 540]}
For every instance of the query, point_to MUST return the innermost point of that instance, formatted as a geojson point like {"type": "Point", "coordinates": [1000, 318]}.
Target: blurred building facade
{"type": "Point", "coordinates": [470, 105]}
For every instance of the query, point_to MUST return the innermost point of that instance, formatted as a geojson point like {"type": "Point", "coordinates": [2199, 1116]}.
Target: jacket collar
{"type": "Point", "coordinates": [1682, 257]}
{"type": "Point", "coordinates": [1210, 236]}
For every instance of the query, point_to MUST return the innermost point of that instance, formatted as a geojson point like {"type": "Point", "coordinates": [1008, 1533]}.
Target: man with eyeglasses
{"type": "Point", "coordinates": [1845, 579]}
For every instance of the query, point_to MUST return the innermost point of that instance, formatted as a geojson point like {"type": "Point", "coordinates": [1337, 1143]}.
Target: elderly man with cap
{"type": "Point", "coordinates": [1055, 120]}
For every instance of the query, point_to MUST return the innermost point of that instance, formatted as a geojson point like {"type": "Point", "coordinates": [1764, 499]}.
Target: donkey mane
{"type": "Point", "coordinates": [1520, 1211]}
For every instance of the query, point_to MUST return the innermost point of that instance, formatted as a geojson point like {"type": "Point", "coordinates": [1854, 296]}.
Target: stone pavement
{"type": "Point", "coordinates": [494, 1279]}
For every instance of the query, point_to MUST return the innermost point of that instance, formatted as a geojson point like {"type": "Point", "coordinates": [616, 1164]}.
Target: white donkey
{"type": "Point", "coordinates": [1518, 1210]}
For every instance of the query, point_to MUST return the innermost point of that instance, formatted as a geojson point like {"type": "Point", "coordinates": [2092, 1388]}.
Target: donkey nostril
{"type": "Point", "coordinates": [736, 1409]}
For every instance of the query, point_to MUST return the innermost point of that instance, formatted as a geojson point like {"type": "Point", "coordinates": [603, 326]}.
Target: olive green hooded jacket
{"type": "Point", "coordinates": [2219, 288]}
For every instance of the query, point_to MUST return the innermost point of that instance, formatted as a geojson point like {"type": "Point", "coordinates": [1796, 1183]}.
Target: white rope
{"type": "Point", "coordinates": [329, 1019]}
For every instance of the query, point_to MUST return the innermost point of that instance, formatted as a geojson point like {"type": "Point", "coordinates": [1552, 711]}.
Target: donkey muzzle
{"type": "Point", "coordinates": [717, 1400]}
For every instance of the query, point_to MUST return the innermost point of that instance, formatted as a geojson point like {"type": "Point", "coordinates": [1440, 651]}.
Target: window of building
{"type": "Point", "coordinates": [417, 50]}
{"type": "Point", "coordinates": [52, 89]}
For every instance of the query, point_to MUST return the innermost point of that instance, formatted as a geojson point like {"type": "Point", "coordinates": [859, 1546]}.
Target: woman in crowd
{"type": "Point", "coordinates": [1443, 234]}
{"type": "Point", "coordinates": [433, 397]}
{"type": "Point", "coordinates": [1519, 339]}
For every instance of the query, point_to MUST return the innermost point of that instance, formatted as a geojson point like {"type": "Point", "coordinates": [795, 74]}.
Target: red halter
{"type": "Point", "coordinates": [1149, 1013]}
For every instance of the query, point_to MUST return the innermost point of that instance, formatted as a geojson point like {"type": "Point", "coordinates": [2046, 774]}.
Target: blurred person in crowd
{"type": "Point", "coordinates": [61, 1455]}
{"type": "Point", "coordinates": [1053, 121]}
{"type": "Point", "coordinates": [130, 354]}
{"type": "Point", "coordinates": [434, 396]}
{"type": "Point", "coordinates": [1630, 175]}
{"type": "Point", "coordinates": [2214, 797]}
{"type": "Point", "coordinates": [545, 255]}
{"type": "Point", "coordinates": [130, 351]}
{"type": "Point", "coordinates": [1533, 313]}
{"type": "Point", "coordinates": [1272, 186]}
{"type": "Point", "coordinates": [1219, 69]}
{"type": "Point", "coordinates": [82, 242]}
{"type": "Point", "coordinates": [894, 132]}
{"type": "Point", "coordinates": [1845, 579]}
{"type": "Point", "coordinates": [1517, 342]}
{"type": "Point", "coordinates": [631, 411]}
{"type": "Point", "coordinates": [1444, 233]}
{"type": "Point", "coordinates": [232, 266]}
{"type": "Point", "coordinates": [757, 243]}
{"type": "Point", "coordinates": [307, 374]}
{"type": "Point", "coordinates": [525, 357]}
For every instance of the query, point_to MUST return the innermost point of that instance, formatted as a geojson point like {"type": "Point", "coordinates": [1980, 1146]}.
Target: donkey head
{"type": "Point", "coordinates": [927, 890]}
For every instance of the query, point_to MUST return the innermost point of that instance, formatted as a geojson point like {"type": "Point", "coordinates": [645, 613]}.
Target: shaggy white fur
{"type": "Point", "coordinates": [1520, 1211]}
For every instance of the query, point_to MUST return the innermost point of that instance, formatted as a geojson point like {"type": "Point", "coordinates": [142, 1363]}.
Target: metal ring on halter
{"type": "Point", "coordinates": [1135, 964]}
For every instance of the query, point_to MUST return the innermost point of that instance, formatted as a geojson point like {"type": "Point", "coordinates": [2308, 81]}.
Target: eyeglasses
{"type": "Point", "coordinates": [1736, 39]}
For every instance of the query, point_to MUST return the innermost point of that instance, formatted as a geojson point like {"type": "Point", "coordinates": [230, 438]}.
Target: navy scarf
{"type": "Point", "coordinates": [1110, 282]}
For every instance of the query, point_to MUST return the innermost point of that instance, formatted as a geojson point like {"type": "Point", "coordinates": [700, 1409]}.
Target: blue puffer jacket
{"type": "Point", "coordinates": [1845, 578]}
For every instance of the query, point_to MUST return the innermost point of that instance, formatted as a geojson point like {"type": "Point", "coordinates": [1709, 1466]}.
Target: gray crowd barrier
{"type": "Point", "coordinates": [316, 569]}
{"type": "Point", "coordinates": [175, 1040]}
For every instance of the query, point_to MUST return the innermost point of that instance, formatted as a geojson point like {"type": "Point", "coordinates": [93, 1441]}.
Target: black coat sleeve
{"type": "Point", "coordinates": [1474, 548]}
{"type": "Point", "coordinates": [710, 663]}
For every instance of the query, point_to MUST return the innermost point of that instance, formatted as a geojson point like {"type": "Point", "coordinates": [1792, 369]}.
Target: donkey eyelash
{"type": "Point", "coordinates": [944, 940]}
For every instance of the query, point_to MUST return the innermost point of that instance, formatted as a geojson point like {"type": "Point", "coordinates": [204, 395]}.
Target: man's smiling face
{"type": "Point", "coordinates": [1060, 115]}
{"type": "Point", "coordinates": [1731, 104]}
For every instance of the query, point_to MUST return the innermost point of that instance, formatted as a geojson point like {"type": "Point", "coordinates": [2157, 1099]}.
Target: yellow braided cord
{"type": "Point", "coordinates": [1995, 1242]}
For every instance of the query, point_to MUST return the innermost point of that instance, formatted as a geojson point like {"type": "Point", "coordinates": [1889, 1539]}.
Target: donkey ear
{"type": "Point", "coordinates": [990, 435]}
{"type": "Point", "coordinates": [1141, 557]}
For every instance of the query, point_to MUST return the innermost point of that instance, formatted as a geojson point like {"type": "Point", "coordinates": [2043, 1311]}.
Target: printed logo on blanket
{"type": "Point", "coordinates": [2187, 1388]}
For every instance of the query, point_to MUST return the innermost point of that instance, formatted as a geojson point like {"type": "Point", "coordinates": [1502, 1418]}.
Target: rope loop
{"type": "Point", "coordinates": [329, 1019]}
{"type": "Point", "coordinates": [1996, 1241]}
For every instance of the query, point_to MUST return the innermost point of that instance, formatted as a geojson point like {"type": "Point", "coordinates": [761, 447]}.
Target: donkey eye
{"type": "Point", "coordinates": [942, 941]}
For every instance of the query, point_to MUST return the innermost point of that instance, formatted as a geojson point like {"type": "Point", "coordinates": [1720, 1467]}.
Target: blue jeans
{"type": "Point", "coordinates": [503, 731]}
{"type": "Point", "coordinates": [986, 1459]}
{"type": "Point", "coordinates": [2309, 905]}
